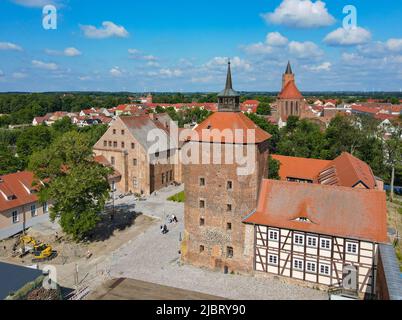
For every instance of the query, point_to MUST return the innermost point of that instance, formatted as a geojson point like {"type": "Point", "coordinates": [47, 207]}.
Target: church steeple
{"type": "Point", "coordinates": [229, 99]}
{"type": "Point", "coordinates": [288, 69]}
{"type": "Point", "coordinates": [288, 76]}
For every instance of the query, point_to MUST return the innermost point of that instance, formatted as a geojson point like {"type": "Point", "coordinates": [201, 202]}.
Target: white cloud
{"type": "Point", "coordinates": [133, 51]}
{"type": "Point", "coordinates": [68, 52]}
{"type": "Point", "coordinates": [258, 48]}
{"type": "Point", "coordinates": [72, 52]}
{"type": "Point", "coordinates": [394, 45]}
{"type": "Point", "coordinates": [348, 37]}
{"type": "Point", "coordinates": [170, 73]}
{"type": "Point", "coordinates": [36, 3]}
{"type": "Point", "coordinates": [116, 72]}
{"type": "Point", "coordinates": [19, 75]}
{"type": "Point", "coordinates": [44, 65]}
{"type": "Point", "coordinates": [325, 66]}
{"type": "Point", "coordinates": [205, 79]}
{"type": "Point", "coordinates": [153, 64]}
{"type": "Point", "coordinates": [84, 78]}
{"type": "Point", "coordinates": [275, 39]}
{"type": "Point", "coordinates": [9, 46]}
{"type": "Point", "coordinates": [236, 62]}
{"type": "Point", "coordinates": [301, 14]}
{"type": "Point", "coordinates": [108, 29]}
{"type": "Point", "coordinates": [150, 58]}
{"type": "Point", "coordinates": [303, 50]}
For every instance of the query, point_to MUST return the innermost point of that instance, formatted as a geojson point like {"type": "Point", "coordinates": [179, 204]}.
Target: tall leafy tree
{"type": "Point", "coordinates": [76, 185]}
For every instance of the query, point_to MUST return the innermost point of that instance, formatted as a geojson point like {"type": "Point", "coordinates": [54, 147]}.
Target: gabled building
{"type": "Point", "coordinates": [140, 149]}
{"type": "Point", "coordinates": [290, 101]}
{"type": "Point", "coordinates": [19, 205]}
{"type": "Point", "coordinates": [319, 234]}
{"type": "Point", "coordinates": [345, 170]}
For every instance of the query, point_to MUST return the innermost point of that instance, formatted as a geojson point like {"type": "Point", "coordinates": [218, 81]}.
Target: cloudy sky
{"type": "Point", "coordinates": [183, 45]}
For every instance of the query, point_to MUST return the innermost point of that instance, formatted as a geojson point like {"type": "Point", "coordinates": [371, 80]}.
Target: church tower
{"type": "Point", "coordinates": [218, 197]}
{"type": "Point", "coordinates": [229, 99]}
{"type": "Point", "coordinates": [287, 76]}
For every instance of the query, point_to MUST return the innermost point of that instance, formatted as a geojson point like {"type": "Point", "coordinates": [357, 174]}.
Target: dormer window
{"type": "Point", "coordinates": [303, 219]}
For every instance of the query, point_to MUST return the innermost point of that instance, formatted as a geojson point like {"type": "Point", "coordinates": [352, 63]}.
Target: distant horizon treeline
{"type": "Point", "coordinates": [21, 108]}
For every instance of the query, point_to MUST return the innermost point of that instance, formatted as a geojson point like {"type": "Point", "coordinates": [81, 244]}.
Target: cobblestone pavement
{"type": "Point", "coordinates": [154, 257]}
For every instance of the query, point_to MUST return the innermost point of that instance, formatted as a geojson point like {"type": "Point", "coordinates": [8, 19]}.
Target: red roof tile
{"type": "Point", "coordinates": [212, 129]}
{"type": "Point", "coordinates": [300, 168]}
{"type": "Point", "coordinates": [338, 211]}
{"type": "Point", "coordinates": [18, 186]}
{"type": "Point", "coordinates": [290, 91]}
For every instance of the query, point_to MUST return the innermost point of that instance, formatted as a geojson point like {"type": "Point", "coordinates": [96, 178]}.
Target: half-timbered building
{"type": "Point", "coordinates": [319, 234]}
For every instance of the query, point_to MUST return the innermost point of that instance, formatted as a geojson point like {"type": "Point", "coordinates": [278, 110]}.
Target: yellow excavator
{"type": "Point", "coordinates": [41, 252]}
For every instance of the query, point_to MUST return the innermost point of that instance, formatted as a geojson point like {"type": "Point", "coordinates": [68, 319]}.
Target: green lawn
{"type": "Point", "coordinates": [180, 197]}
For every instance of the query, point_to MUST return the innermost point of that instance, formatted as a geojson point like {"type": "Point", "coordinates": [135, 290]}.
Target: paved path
{"type": "Point", "coordinates": [153, 257]}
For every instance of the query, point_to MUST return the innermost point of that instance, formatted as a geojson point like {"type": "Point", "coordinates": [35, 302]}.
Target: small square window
{"type": "Point", "coordinates": [229, 226]}
{"type": "Point", "coordinates": [110, 143]}
{"type": "Point", "coordinates": [202, 222]}
{"type": "Point", "coordinates": [134, 162]}
{"type": "Point", "coordinates": [157, 154]}
{"type": "Point", "coordinates": [229, 185]}
{"type": "Point", "coordinates": [351, 247]}
{"type": "Point", "coordinates": [114, 144]}
{"type": "Point", "coordinates": [229, 252]}
{"type": "Point", "coordinates": [202, 248]}
{"type": "Point", "coordinates": [16, 218]}
{"type": "Point", "coordinates": [311, 266]}
{"type": "Point", "coordinates": [298, 239]}
{"type": "Point", "coordinates": [298, 264]}
{"type": "Point", "coordinates": [273, 259]}
{"type": "Point", "coordinates": [324, 269]}
{"type": "Point", "coordinates": [112, 160]}
{"type": "Point", "coordinates": [132, 145]}
{"type": "Point", "coordinates": [105, 143]}
{"type": "Point", "coordinates": [122, 144]}
{"type": "Point", "coordinates": [202, 204]}
{"type": "Point", "coordinates": [114, 131]}
{"type": "Point", "coordinates": [228, 207]}
{"type": "Point", "coordinates": [325, 244]}
{"type": "Point", "coordinates": [273, 235]}
{"type": "Point", "coordinates": [312, 242]}
{"type": "Point", "coordinates": [122, 132]}
{"type": "Point", "coordinates": [202, 182]}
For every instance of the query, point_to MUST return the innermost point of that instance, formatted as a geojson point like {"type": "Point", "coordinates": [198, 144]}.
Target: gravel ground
{"type": "Point", "coordinates": [154, 257]}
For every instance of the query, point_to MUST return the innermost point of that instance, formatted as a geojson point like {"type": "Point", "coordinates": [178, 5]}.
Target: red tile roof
{"type": "Point", "coordinates": [348, 171]}
{"type": "Point", "coordinates": [212, 129]}
{"type": "Point", "coordinates": [290, 91]}
{"type": "Point", "coordinates": [300, 168]}
{"type": "Point", "coordinates": [18, 186]}
{"type": "Point", "coordinates": [338, 211]}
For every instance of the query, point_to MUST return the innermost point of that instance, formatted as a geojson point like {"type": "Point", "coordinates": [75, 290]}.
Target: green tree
{"type": "Point", "coordinates": [9, 163]}
{"type": "Point", "coordinates": [304, 140]}
{"type": "Point", "coordinates": [273, 168]}
{"type": "Point", "coordinates": [264, 109]}
{"type": "Point", "coordinates": [76, 185]}
{"type": "Point", "coordinates": [33, 139]}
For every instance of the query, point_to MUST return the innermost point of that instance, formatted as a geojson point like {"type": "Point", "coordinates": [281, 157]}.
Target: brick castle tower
{"type": "Point", "coordinates": [217, 196]}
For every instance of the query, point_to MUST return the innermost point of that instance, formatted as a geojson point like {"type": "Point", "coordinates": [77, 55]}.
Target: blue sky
{"type": "Point", "coordinates": [179, 45]}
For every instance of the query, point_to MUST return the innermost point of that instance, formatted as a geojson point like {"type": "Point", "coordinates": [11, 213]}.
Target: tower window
{"type": "Point", "coordinates": [132, 145]}
{"type": "Point", "coordinates": [229, 185]}
{"type": "Point", "coordinates": [228, 207]}
{"type": "Point", "coordinates": [229, 252]}
{"type": "Point", "coordinates": [202, 222]}
{"type": "Point", "coordinates": [134, 162]}
{"type": "Point", "coordinates": [202, 248]}
{"type": "Point", "coordinates": [202, 182]}
{"type": "Point", "coordinates": [229, 226]}
{"type": "Point", "coordinates": [202, 204]}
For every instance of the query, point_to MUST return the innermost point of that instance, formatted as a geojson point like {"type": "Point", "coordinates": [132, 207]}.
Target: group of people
{"type": "Point", "coordinates": [171, 219]}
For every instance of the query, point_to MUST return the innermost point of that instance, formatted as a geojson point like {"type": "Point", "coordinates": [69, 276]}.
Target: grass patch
{"type": "Point", "coordinates": [180, 197]}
